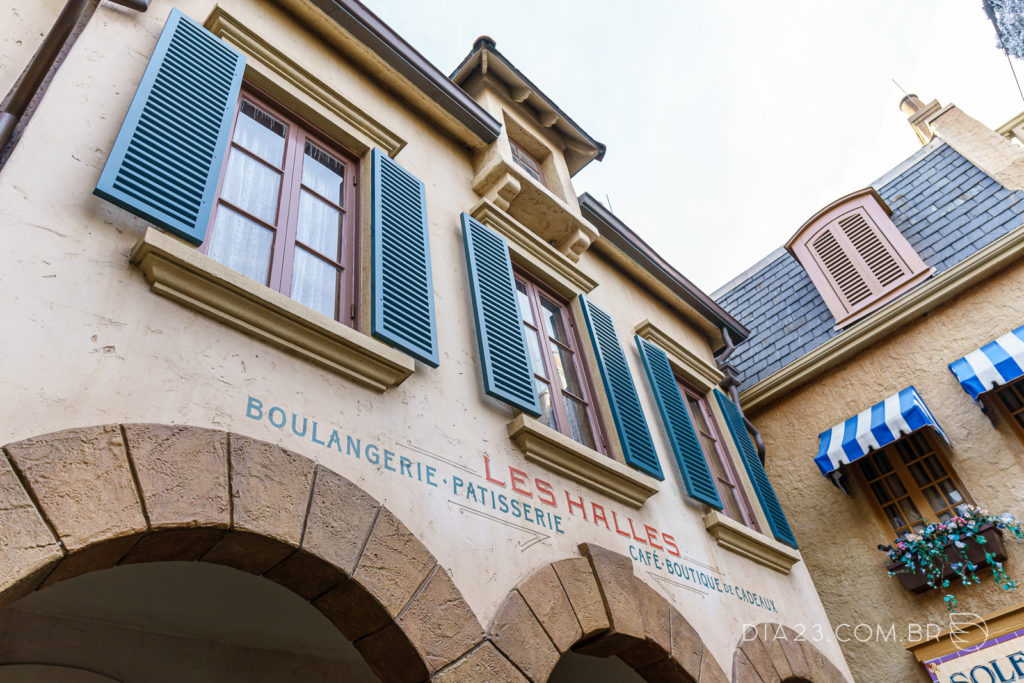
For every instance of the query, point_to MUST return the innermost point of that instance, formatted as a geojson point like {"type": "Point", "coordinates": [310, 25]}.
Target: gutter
{"type": "Point", "coordinates": [368, 28]}
{"type": "Point", "coordinates": [627, 241]}
{"type": "Point", "coordinates": [33, 78]}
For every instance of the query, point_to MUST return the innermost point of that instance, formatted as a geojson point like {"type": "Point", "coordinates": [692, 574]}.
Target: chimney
{"type": "Point", "coordinates": [918, 114]}
{"type": "Point", "coordinates": [979, 144]}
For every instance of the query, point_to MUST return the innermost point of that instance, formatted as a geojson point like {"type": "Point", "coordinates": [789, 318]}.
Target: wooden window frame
{"type": "Point", "coordinates": [534, 290]}
{"type": "Point", "coordinates": [285, 227]}
{"type": "Point", "coordinates": [521, 157]}
{"type": "Point", "coordinates": [746, 515]}
{"type": "Point", "coordinates": [913, 491]}
{"type": "Point", "coordinates": [851, 264]}
{"type": "Point", "coordinates": [995, 405]}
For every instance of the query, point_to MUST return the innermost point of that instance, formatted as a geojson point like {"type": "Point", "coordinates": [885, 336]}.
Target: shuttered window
{"type": "Point", "coordinates": [285, 209]}
{"type": "Point", "coordinates": [267, 195]}
{"type": "Point", "coordinates": [630, 423]}
{"type": "Point", "coordinates": [856, 256]}
{"type": "Point", "coordinates": [755, 471]}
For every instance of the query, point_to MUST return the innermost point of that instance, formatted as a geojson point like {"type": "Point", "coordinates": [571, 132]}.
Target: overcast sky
{"type": "Point", "coordinates": [729, 123]}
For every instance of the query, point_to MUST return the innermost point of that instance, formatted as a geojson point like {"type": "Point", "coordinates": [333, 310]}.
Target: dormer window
{"type": "Point", "coordinates": [527, 162]}
{"type": "Point", "coordinates": [856, 257]}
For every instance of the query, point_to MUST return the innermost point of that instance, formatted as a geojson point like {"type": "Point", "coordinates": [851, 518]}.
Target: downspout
{"type": "Point", "coordinates": [32, 78]}
{"type": "Point", "coordinates": [731, 384]}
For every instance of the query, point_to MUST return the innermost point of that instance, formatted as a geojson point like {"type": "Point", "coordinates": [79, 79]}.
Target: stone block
{"type": "Point", "coordinates": [792, 647]}
{"type": "Point", "coordinates": [306, 574]}
{"type": "Point", "coordinates": [657, 619]}
{"type": "Point", "coordinates": [577, 578]}
{"type": "Point", "coordinates": [29, 548]}
{"type": "Point", "coordinates": [614, 574]}
{"type": "Point", "coordinates": [485, 663]}
{"type": "Point", "coordinates": [517, 633]}
{"type": "Point", "coordinates": [340, 518]}
{"type": "Point", "coordinates": [173, 545]}
{"type": "Point", "coordinates": [543, 592]}
{"type": "Point", "coordinates": [182, 473]}
{"type": "Point", "coordinates": [687, 646]}
{"type": "Point", "coordinates": [248, 552]}
{"type": "Point", "coordinates": [711, 671]}
{"type": "Point", "coordinates": [439, 623]}
{"type": "Point", "coordinates": [391, 656]}
{"type": "Point", "coordinates": [83, 484]}
{"type": "Point", "coordinates": [393, 564]}
{"type": "Point", "coordinates": [92, 558]}
{"type": "Point", "coordinates": [270, 489]}
{"type": "Point", "coordinates": [352, 610]}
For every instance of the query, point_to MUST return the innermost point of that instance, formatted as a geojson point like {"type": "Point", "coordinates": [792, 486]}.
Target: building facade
{"type": "Point", "coordinates": [867, 371]}
{"type": "Point", "coordinates": [317, 368]}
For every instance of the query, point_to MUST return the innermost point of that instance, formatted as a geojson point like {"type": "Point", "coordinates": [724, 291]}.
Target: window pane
{"type": "Point", "coordinates": [241, 244]}
{"type": "Point", "coordinates": [870, 473]}
{"type": "Point", "coordinates": [251, 186]}
{"type": "Point", "coordinates": [524, 304]}
{"type": "Point", "coordinates": [1009, 398]}
{"type": "Point", "coordinates": [319, 226]}
{"type": "Point", "coordinates": [894, 517]}
{"type": "Point", "coordinates": [323, 174]}
{"type": "Point", "coordinates": [920, 476]}
{"type": "Point", "coordinates": [895, 486]}
{"type": "Point", "coordinates": [906, 452]}
{"type": "Point", "coordinates": [552, 313]}
{"type": "Point", "coordinates": [547, 415]}
{"type": "Point", "coordinates": [260, 133]}
{"type": "Point", "coordinates": [881, 493]}
{"type": "Point", "coordinates": [934, 499]}
{"type": "Point", "coordinates": [910, 510]}
{"type": "Point", "coordinates": [881, 462]}
{"type": "Point", "coordinates": [935, 468]}
{"type": "Point", "coordinates": [565, 369]}
{"type": "Point", "coordinates": [538, 363]}
{"type": "Point", "coordinates": [314, 283]}
{"type": "Point", "coordinates": [952, 494]}
{"type": "Point", "coordinates": [920, 443]}
{"type": "Point", "coordinates": [579, 423]}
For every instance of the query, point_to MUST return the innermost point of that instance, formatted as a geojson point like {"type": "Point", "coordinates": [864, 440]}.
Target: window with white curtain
{"type": "Point", "coordinates": [286, 209]}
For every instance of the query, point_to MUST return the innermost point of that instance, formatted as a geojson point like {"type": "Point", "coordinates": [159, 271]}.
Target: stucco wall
{"type": "Point", "coordinates": [89, 343]}
{"type": "Point", "coordinates": [839, 534]}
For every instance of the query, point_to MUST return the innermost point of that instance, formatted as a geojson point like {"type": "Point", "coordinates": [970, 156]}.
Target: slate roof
{"type": "Point", "coordinates": [944, 205]}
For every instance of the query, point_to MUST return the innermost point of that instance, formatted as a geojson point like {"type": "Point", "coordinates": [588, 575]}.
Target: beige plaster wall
{"type": "Point", "coordinates": [90, 343]}
{"type": "Point", "coordinates": [22, 27]}
{"type": "Point", "coordinates": [839, 534]}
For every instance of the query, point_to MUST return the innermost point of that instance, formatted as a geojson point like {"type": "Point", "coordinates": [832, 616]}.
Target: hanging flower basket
{"type": "Point", "coordinates": [954, 551]}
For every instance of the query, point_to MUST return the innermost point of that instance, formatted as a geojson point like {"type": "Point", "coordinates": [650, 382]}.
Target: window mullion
{"type": "Point", "coordinates": [910, 484]}
{"type": "Point", "coordinates": [288, 219]}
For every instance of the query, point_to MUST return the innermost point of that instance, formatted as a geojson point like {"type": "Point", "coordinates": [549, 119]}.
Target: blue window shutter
{"type": "Point", "coordinates": [622, 397]}
{"type": "Point", "coordinates": [504, 356]}
{"type": "Point", "coordinates": [699, 483]}
{"type": "Point", "coordinates": [403, 287]}
{"type": "Point", "coordinates": [755, 470]}
{"type": "Point", "coordinates": [167, 157]}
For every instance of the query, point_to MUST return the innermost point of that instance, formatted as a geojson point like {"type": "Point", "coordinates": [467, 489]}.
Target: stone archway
{"type": "Point", "coordinates": [773, 652]}
{"type": "Point", "coordinates": [92, 498]}
{"type": "Point", "coordinates": [595, 605]}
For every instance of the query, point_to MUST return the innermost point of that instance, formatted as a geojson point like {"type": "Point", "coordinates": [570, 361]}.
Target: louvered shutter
{"type": "Point", "coordinates": [622, 397]}
{"type": "Point", "coordinates": [755, 470]}
{"type": "Point", "coordinates": [167, 157]}
{"type": "Point", "coordinates": [696, 476]}
{"type": "Point", "coordinates": [403, 287]}
{"type": "Point", "coordinates": [504, 356]}
{"type": "Point", "coordinates": [857, 258]}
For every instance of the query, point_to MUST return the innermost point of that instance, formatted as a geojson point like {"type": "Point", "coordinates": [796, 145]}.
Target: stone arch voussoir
{"type": "Point", "coordinates": [91, 498]}
{"type": "Point", "coordinates": [774, 652]}
{"type": "Point", "coordinates": [595, 605]}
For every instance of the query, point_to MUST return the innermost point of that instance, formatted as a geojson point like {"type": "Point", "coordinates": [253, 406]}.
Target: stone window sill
{"type": "Point", "coordinates": [748, 543]}
{"type": "Point", "coordinates": [555, 451]}
{"type": "Point", "coordinates": [179, 272]}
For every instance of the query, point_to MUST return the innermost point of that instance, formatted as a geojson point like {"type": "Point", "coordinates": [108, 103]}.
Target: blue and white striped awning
{"type": "Point", "coordinates": [879, 425]}
{"type": "Point", "coordinates": [993, 365]}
